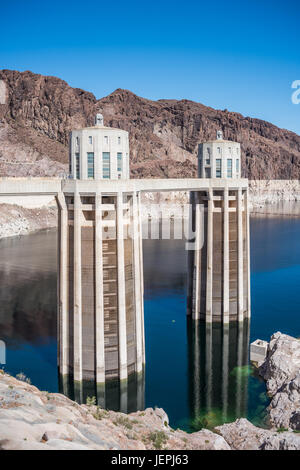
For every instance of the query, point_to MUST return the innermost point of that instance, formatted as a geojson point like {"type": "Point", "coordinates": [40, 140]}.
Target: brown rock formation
{"type": "Point", "coordinates": [38, 112]}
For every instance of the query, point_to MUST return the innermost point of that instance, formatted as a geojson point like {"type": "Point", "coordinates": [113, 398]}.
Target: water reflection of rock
{"type": "Point", "coordinates": [127, 398]}
{"type": "Point", "coordinates": [218, 372]}
{"type": "Point", "coordinates": [29, 314]}
{"type": "Point", "coordinates": [28, 288]}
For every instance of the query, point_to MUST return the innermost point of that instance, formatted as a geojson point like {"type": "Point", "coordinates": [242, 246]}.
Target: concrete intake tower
{"type": "Point", "coordinates": [219, 267]}
{"type": "Point", "coordinates": [101, 319]}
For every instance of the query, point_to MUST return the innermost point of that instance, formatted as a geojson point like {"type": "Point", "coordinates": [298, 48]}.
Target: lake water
{"type": "Point", "coordinates": [200, 377]}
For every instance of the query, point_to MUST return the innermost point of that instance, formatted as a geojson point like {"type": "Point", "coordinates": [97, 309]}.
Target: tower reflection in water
{"type": "Point", "coordinates": [218, 372]}
{"type": "Point", "coordinates": [113, 396]}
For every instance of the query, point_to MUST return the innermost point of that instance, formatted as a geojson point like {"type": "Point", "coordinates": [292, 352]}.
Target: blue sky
{"type": "Point", "coordinates": [240, 55]}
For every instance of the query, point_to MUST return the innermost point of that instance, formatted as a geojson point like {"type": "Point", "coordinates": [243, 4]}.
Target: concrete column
{"type": "Point", "coordinates": [225, 371]}
{"type": "Point", "coordinates": [245, 379]}
{"type": "Point", "coordinates": [209, 273]}
{"type": "Point", "coordinates": [78, 392]}
{"type": "Point", "coordinates": [82, 152]}
{"type": "Point", "coordinates": [58, 290]}
{"type": "Point", "coordinates": [121, 291]}
{"type": "Point", "coordinates": [240, 256]}
{"type": "Point", "coordinates": [225, 258]}
{"type": "Point", "coordinates": [197, 367]}
{"type": "Point", "coordinates": [191, 254]}
{"type": "Point", "coordinates": [239, 377]}
{"type": "Point", "coordinates": [197, 252]}
{"type": "Point", "coordinates": [137, 285]}
{"type": "Point", "coordinates": [63, 327]}
{"type": "Point", "coordinates": [100, 357]}
{"type": "Point", "coordinates": [97, 158]}
{"type": "Point", "coordinates": [141, 392]}
{"type": "Point", "coordinates": [208, 364]}
{"type": "Point", "coordinates": [142, 275]}
{"type": "Point", "coordinates": [77, 289]}
{"type": "Point", "coordinates": [124, 396]}
{"type": "Point", "coordinates": [246, 208]}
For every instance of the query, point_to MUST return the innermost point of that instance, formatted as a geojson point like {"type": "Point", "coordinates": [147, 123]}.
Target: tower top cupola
{"type": "Point", "coordinates": [99, 152]}
{"type": "Point", "coordinates": [219, 158]}
{"type": "Point", "coordinates": [99, 121]}
{"type": "Point", "coordinates": [219, 135]}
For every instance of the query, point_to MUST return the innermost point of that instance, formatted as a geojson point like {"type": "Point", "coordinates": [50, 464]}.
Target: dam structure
{"type": "Point", "coordinates": [219, 267]}
{"type": "Point", "coordinates": [100, 309]}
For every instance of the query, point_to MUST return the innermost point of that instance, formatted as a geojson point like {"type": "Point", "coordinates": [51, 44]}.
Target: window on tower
{"type": "Point", "coordinates": [77, 158]}
{"type": "Point", "coordinates": [207, 173]}
{"type": "Point", "coordinates": [229, 168]}
{"type": "Point", "coordinates": [119, 159]}
{"type": "Point", "coordinates": [218, 168]}
{"type": "Point", "coordinates": [90, 164]}
{"type": "Point", "coordinates": [106, 165]}
{"type": "Point", "coordinates": [208, 157]}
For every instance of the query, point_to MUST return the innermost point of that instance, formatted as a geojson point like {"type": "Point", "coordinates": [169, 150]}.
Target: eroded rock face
{"type": "Point", "coordinates": [282, 441]}
{"type": "Point", "coordinates": [31, 419]}
{"type": "Point", "coordinates": [282, 363]}
{"type": "Point", "coordinates": [38, 112]}
{"type": "Point", "coordinates": [242, 435]}
{"type": "Point", "coordinates": [281, 370]}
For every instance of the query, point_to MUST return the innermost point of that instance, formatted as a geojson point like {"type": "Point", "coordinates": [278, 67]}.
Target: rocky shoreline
{"type": "Point", "coordinates": [269, 192]}
{"type": "Point", "coordinates": [17, 220]}
{"type": "Point", "coordinates": [34, 419]}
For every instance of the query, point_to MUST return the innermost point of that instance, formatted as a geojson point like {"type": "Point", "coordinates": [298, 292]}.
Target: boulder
{"type": "Point", "coordinates": [281, 370]}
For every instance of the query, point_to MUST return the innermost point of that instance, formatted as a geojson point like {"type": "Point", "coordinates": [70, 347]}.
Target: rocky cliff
{"type": "Point", "coordinates": [38, 112]}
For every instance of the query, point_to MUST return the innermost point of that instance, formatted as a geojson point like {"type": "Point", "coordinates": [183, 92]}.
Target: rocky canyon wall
{"type": "Point", "coordinates": [37, 113]}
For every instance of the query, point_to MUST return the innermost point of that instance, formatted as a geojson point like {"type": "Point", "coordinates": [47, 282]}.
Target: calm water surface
{"type": "Point", "coordinates": [200, 377]}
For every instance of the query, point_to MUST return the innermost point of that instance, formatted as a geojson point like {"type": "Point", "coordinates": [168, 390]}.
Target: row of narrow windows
{"type": "Point", "coordinates": [229, 167]}
{"type": "Point", "coordinates": [90, 140]}
{"type": "Point", "coordinates": [105, 164]}
{"type": "Point", "coordinates": [219, 168]}
{"type": "Point", "coordinates": [219, 150]}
